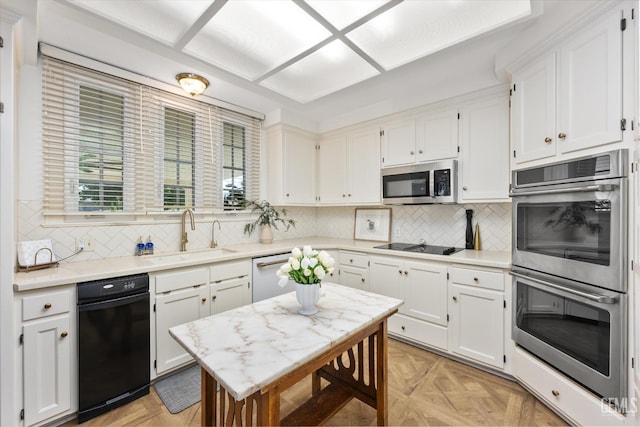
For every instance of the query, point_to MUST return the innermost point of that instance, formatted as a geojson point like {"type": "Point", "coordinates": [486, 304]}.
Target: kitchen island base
{"type": "Point", "coordinates": [356, 367]}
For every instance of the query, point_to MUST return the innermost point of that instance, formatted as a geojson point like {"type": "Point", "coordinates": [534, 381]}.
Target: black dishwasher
{"type": "Point", "coordinates": [113, 343]}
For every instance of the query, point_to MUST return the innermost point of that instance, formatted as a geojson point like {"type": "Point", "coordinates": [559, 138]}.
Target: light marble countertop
{"type": "Point", "coordinates": [73, 272]}
{"type": "Point", "coordinates": [248, 348]}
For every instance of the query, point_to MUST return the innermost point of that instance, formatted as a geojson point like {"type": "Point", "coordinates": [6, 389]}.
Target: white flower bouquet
{"type": "Point", "coordinates": [306, 266]}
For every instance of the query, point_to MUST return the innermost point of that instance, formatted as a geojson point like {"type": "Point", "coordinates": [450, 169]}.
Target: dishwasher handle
{"type": "Point", "coordinates": [270, 263]}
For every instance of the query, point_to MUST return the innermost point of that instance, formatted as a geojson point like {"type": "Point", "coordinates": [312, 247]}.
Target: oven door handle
{"type": "Point", "coordinates": [604, 299]}
{"type": "Point", "coordinates": [583, 189]}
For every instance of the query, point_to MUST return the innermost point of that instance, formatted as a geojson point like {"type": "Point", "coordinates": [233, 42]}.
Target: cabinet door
{"type": "Point", "coordinates": [354, 277]}
{"type": "Point", "coordinates": [385, 275]}
{"type": "Point", "coordinates": [332, 171]}
{"type": "Point", "coordinates": [363, 167]}
{"type": "Point", "coordinates": [533, 111]}
{"type": "Point", "coordinates": [399, 143]}
{"type": "Point", "coordinates": [437, 135]}
{"type": "Point", "coordinates": [590, 86]}
{"type": "Point", "coordinates": [47, 368]}
{"type": "Point", "coordinates": [424, 291]}
{"type": "Point", "coordinates": [476, 326]}
{"type": "Point", "coordinates": [485, 150]}
{"type": "Point", "coordinates": [172, 309]}
{"type": "Point", "coordinates": [230, 294]}
{"type": "Point", "coordinates": [299, 169]}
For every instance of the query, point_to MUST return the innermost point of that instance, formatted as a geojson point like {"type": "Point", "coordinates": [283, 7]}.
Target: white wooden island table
{"type": "Point", "coordinates": [257, 351]}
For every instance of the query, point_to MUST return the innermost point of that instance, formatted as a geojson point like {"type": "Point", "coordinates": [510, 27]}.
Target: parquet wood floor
{"type": "Point", "coordinates": [425, 389]}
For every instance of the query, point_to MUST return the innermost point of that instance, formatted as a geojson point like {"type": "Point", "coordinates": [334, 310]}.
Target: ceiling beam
{"type": "Point", "coordinates": [203, 20]}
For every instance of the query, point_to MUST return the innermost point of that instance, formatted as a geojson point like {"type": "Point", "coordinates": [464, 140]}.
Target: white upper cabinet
{"type": "Point", "coordinates": [349, 168]}
{"type": "Point", "coordinates": [571, 99]}
{"type": "Point", "coordinates": [291, 167]}
{"type": "Point", "coordinates": [399, 142]}
{"type": "Point", "coordinates": [437, 135]}
{"type": "Point", "coordinates": [484, 147]}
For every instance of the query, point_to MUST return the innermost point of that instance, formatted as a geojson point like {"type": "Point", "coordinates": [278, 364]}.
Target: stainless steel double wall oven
{"type": "Point", "coordinates": [570, 268]}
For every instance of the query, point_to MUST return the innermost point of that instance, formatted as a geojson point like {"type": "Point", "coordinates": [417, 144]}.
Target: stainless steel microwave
{"type": "Point", "coordinates": [423, 183]}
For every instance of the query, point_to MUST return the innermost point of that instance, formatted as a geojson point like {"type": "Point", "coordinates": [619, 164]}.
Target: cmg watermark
{"type": "Point", "coordinates": [625, 405]}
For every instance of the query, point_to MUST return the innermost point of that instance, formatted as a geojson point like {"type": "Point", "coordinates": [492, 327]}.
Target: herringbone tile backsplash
{"type": "Point", "coordinates": [437, 224]}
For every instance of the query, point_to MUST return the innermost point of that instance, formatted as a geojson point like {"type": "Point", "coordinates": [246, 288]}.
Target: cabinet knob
{"type": "Point", "coordinates": [351, 261]}
{"type": "Point", "coordinates": [464, 188]}
{"type": "Point", "coordinates": [419, 151]}
{"type": "Point", "coordinates": [64, 334]}
{"type": "Point", "coordinates": [287, 194]}
{"type": "Point", "coordinates": [349, 194]}
{"type": "Point", "coordinates": [555, 393]}
{"type": "Point", "coordinates": [406, 273]}
{"type": "Point", "coordinates": [213, 298]}
{"type": "Point", "coordinates": [344, 195]}
{"type": "Point", "coordinates": [454, 298]}
{"type": "Point", "coordinates": [547, 140]}
{"type": "Point", "coordinates": [362, 279]}
{"type": "Point", "coordinates": [412, 153]}
{"type": "Point", "coordinates": [47, 306]}
{"type": "Point", "coordinates": [475, 279]}
{"type": "Point", "coordinates": [204, 300]}
{"type": "Point", "coordinates": [562, 135]}
{"type": "Point", "coordinates": [400, 271]}
{"type": "Point", "coordinates": [402, 327]}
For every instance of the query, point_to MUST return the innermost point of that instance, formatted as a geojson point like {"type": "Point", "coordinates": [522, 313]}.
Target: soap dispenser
{"type": "Point", "coordinates": [148, 248]}
{"type": "Point", "coordinates": [140, 247]}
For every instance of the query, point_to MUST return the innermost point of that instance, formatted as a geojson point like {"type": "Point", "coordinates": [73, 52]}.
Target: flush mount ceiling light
{"type": "Point", "coordinates": [193, 84]}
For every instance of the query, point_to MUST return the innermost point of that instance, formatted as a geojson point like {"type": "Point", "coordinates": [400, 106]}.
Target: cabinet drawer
{"type": "Point", "coordinates": [228, 270]}
{"type": "Point", "coordinates": [418, 331]}
{"type": "Point", "coordinates": [36, 306]}
{"type": "Point", "coordinates": [355, 259]}
{"type": "Point", "coordinates": [181, 279]}
{"type": "Point", "coordinates": [482, 278]}
{"type": "Point", "coordinates": [569, 399]}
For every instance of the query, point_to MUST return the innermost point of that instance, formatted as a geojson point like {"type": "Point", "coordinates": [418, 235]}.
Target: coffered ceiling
{"type": "Point", "coordinates": [307, 49]}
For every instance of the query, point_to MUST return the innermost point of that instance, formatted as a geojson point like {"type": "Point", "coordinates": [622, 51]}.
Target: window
{"type": "Point", "coordinates": [233, 167]}
{"type": "Point", "coordinates": [179, 158]}
{"type": "Point", "coordinates": [100, 153]}
{"type": "Point", "coordinates": [116, 147]}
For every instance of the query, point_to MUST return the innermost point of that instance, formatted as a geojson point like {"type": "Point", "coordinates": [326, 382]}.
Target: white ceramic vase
{"type": "Point", "coordinates": [266, 234]}
{"type": "Point", "coordinates": [308, 296]}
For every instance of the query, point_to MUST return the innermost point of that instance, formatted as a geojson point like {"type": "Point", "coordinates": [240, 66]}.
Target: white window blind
{"type": "Point", "coordinates": [115, 146]}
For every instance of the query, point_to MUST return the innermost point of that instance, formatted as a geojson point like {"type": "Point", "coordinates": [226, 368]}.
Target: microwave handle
{"type": "Point", "coordinates": [604, 299]}
{"type": "Point", "coordinates": [584, 189]}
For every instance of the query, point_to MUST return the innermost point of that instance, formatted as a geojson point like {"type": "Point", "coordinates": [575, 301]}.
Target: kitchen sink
{"type": "Point", "coordinates": [427, 249]}
{"type": "Point", "coordinates": [188, 256]}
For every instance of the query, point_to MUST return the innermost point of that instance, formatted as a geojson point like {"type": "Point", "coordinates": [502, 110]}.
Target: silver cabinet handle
{"type": "Point", "coordinates": [604, 299]}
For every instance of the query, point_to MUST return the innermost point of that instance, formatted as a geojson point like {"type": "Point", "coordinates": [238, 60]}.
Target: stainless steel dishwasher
{"type": "Point", "coordinates": [264, 279]}
{"type": "Point", "coordinates": [113, 343]}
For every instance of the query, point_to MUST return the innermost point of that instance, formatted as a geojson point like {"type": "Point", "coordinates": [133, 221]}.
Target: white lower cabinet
{"type": "Point", "coordinates": [48, 339]}
{"type": "Point", "coordinates": [422, 286]}
{"type": "Point", "coordinates": [477, 315]}
{"type": "Point", "coordinates": [571, 401]}
{"type": "Point", "coordinates": [172, 309]}
{"type": "Point", "coordinates": [188, 294]}
{"type": "Point", "coordinates": [354, 270]}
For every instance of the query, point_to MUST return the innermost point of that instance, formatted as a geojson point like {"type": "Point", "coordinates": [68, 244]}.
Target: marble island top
{"type": "Point", "coordinates": [248, 348]}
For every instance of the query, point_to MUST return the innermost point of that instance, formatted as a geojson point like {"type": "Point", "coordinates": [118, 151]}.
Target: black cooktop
{"type": "Point", "coordinates": [427, 249]}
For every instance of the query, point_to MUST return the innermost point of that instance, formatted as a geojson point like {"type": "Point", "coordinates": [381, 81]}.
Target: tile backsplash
{"type": "Point", "coordinates": [437, 224]}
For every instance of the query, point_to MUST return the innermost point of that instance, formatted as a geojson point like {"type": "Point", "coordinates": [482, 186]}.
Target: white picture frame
{"type": "Point", "coordinates": [372, 224]}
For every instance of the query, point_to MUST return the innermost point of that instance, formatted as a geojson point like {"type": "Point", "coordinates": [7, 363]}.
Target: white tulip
{"type": "Point", "coordinates": [323, 255]}
{"type": "Point", "coordinates": [313, 262]}
{"type": "Point", "coordinates": [304, 263]}
{"type": "Point", "coordinates": [295, 264]}
{"type": "Point", "coordinates": [307, 272]}
{"type": "Point", "coordinates": [329, 262]}
{"type": "Point", "coordinates": [283, 281]}
{"type": "Point", "coordinates": [286, 267]}
{"type": "Point", "coordinates": [319, 272]}
{"type": "Point", "coordinates": [306, 251]}
{"type": "Point", "coordinates": [296, 253]}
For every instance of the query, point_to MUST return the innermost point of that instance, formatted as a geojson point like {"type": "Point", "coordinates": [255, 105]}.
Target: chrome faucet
{"type": "Point", "coordinates": [214, 244]}
{"type": "Point", "coordinates": [184, 240]}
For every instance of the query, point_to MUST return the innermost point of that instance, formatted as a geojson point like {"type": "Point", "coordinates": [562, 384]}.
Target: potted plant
{"type": "Point", "coordinates": [268, 217]}
{"type": "Point", "coordinates": [307, 268]}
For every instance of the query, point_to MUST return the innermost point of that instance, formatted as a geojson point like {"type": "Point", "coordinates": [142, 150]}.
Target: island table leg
{"type": "Point", "coordinates": [382, 391]}
{"type": "Point", "coordinates": [208, 396]}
